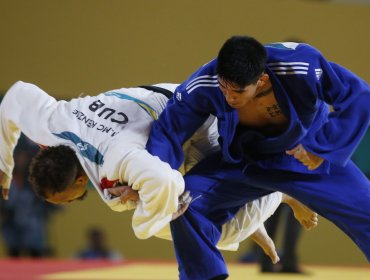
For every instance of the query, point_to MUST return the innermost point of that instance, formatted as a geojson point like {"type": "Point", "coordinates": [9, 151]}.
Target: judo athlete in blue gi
{"type": "Point", "coordinates": [277, 133]}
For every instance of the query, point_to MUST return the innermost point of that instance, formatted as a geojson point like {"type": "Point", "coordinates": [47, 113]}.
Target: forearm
{"type": "Point", "coordinates": [158, 186]}
{"type": "Point", "coordinates": [248, 219]}
{"type": "Point", "coordinates": [176, 124]}
{"type": "Point", "coordinates": [344, 128]}
{"type": "Point", "coordinates": [26, 108]}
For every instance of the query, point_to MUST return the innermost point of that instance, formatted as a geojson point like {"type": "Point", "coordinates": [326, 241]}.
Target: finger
{"type": "Point", "coordinates": [5, 193]}
{"type": "Point", "coordinates": [124, 196]}
{"type": "Point", "coordinates": [185, 195]}
{"type": "Point", "coordinates": [182, 208]}
{"type": "Point", "coordinates": [134, 195]}
{"type": "Point", "coordinates": [115, 191]}
{"type": "Point", "coordinates": [301, 156]}
{"type": "Point", "coordinates": [131, 195]}
{"type": "Point", "coordinates": [188, 199]}
{"type": "Point", "coordinates": [295, 150]}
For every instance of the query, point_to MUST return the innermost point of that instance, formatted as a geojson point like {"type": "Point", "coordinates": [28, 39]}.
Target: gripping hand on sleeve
{"type": "Point", "coordinates": [184, 202]}
{"type": "Point", "coordinates": [308, 159]}
{"type": "Point", "coordinates": [125, 193]}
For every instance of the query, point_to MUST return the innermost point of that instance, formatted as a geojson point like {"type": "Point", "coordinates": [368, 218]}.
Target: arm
{"type": "Point", "coordinates": [184, 114]}
{"type": "Point", "coordinates": [158, 186]}
{"type": "Point", "coordinates": [25, 108]}
{"type": "Point", "coordinates": [247, 220]}
{"type": "Point", "coordinates": [350, 97]}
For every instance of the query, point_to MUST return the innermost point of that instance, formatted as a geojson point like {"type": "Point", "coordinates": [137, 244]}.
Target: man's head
{"type": "Point", "coordinates": [57, 176]}
{"type": "Point", "coordinates": [240, 68]}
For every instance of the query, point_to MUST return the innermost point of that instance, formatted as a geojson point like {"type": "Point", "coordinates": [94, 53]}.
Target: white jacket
{"type": "Point", "coordinates": [108, 132]}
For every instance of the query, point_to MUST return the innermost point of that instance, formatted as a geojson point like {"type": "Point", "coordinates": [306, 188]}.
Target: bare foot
{"type": "Point", "coordinates": [305, 216]}
{"type": "Point", "coordinates": [263, 240]}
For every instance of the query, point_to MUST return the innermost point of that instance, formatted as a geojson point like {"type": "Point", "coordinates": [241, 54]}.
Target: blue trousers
{"type": "Point", "coordinates": [220, 189]}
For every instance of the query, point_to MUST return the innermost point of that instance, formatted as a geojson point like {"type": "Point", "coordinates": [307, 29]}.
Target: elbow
{"type": "Point", "coordinates": [170, 181]}
{"type": "Point", "coordinates": [142, 235]}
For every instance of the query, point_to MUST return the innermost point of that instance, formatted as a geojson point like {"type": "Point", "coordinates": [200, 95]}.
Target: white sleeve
{"type": "Point", "coordinates": [247, 220]}
{"type": "Point", "coordinates": [26, 108]}
{"type": "Point", "coordinates": [159, 187]}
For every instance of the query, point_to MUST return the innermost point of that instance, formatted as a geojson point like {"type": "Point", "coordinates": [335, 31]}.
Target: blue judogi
{"type": "Point", "coordinates": [251, 165]}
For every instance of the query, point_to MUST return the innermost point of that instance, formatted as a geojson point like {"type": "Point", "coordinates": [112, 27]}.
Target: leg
{"type": "Point", "coordinates": [304, 215]}
{"type": "Point", "coordinates": [271, 227]}
{"type": "Point", "coordinates": [194, 238]}
{"type": "Point", "coordinates": [196, 233]}
{"type": "Point", "coordinates": [248, 222]}
{"type": "Point", "coordinates": [261, 237]}
{"type": "Point", "coordinates": [343, 196]}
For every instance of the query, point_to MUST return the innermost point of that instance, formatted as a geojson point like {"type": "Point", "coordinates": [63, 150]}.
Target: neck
{"type": "Point", "coordinates": [264, 92]}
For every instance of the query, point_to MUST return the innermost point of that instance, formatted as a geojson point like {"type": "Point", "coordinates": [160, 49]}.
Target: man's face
{"type": "Point", "coordinates": [235, 96]}
{"type": "Point", "coordinates": [75, 191]}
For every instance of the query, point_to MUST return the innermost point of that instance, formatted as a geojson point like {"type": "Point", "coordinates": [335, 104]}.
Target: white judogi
{"type": "Point", "coordinates": [108, 132]}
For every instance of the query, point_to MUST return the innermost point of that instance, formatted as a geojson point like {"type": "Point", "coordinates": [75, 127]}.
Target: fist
{"type": "Point", "coordinates": [125, 193]}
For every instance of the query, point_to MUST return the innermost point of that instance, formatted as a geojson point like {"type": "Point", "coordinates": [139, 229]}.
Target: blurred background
{"type": "Point", "coordinates": [72, 47]}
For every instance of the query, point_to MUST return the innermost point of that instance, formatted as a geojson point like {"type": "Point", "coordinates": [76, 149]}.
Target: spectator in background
{"type": "Point", "coordinates": [97, 248]}
{"type": "Point", "coordinates": [25, 217]}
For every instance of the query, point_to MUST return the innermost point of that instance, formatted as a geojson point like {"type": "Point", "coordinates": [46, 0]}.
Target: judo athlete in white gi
{"type": "Point", "coordinates": [276, 133]}
{"type": "Point", "coordinates": [108, 133]}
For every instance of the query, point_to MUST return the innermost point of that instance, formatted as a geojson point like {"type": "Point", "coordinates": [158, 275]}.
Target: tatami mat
{"type": "Point", "coordinates": [149, 270]}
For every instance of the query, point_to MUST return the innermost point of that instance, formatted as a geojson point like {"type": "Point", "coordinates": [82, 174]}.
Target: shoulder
{"type": "Point", "coordinates": [205, 78]}
{"type": "Point", "coordinates": [201, 87]}
{"type": "Point", "coordinates": [290, 52]}
{"type": "Point", "coordinates": [289, 59]}
{"type": "Point", "coordinates": [290, 48]}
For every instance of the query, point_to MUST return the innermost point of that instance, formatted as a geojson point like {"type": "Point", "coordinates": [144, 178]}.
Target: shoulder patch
{"type": "Point", "coordinates": [318, 73]}
{"type": "Point", "coordinates": [178, 95]}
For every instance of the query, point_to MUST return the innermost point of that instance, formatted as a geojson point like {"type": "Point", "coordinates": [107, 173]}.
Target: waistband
{"type": "Point", "coordinates": [163, 91]}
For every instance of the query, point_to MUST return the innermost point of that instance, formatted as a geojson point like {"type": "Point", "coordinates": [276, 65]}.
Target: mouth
{"type": "Point", "coordinates": [233, 104]}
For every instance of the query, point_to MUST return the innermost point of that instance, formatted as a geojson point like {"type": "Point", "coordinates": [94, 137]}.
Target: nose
{"type": "Point", "coordinates": [230, 96]}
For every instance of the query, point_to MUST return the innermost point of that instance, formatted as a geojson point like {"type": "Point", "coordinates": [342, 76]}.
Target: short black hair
{"type": "Point", "coordinates": [53, 169]}
{"type": "Point", "coordinates": [241, 61]}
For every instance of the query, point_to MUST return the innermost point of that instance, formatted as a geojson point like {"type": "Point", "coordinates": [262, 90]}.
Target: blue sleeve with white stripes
{"type": "Point", "coordinates": [349, 96]}
{"type": "Point", "coordinates": [183, 115]}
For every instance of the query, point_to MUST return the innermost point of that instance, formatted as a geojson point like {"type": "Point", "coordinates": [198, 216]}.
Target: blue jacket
{"type": "Point", "coordinates": [304, 83]}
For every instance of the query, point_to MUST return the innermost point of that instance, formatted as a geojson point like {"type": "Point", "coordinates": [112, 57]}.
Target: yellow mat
{"type": "Point", "coordinates": [168, 271]}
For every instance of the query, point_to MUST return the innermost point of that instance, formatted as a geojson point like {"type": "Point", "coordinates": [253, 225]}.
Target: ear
{"type": "Point", "coordinates": [82, 179]}
{"type": "Point", "coordinates": [263, 79]}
